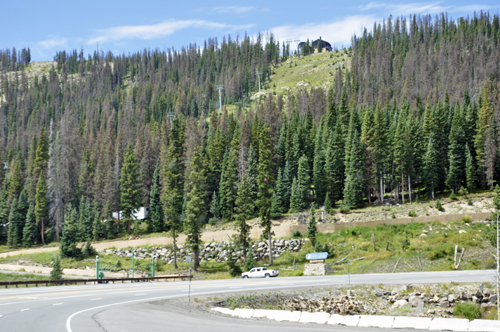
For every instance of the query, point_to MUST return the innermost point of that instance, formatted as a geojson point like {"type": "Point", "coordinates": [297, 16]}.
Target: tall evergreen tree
{"type": "Point", "coordinates": [14, 221]}
{"type": "Point", "coordinates": [69, 236]}
{"type": "Point", "coordinates": [41, 205]}
{"type": "Point", "coordinates": [195, 210]}
{"type": "Point", "coordinates": [311, 227]}
{"type": "Point", "coordinates": [157, 219]}
{"type": "Point", "coordinates": [16, 182]}
{"type": "Point", "coordinates": [228, 188]}
{"type": "Point", "coordinates": [245, 208]}
{"type": "Point", "coordinates": [215, 206]}
{"type": "Point", "coordinates": [470, 170]}
{"type": "Point", "coordinates": [334, 166]}
{"type": "Point", "coordinates": [85, 220]}
{"type": "Point", "coordinates": [431, 166]}
{"type": "Point", "coordinates": [173, 191]}
{"type": "Point", "coordinates": [29, 231]}
{"type": "Point", "coordinates": [456, 153]}
{"type": "Point", "coordinates": [130, 192]}
{"type": "Point", "coordinates": [354, 182]}
{"type": "Point", "coordinates": [265, 183]}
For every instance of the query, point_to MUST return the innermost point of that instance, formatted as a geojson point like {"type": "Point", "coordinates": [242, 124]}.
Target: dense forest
{"type": "Point", "coordinates": [417, 114]}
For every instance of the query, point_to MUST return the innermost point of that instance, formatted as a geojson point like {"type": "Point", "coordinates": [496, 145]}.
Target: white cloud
{"type": "Point", "coordinates": [423, 8]}
{"type": "Point", "coordinates": [232, 9]}
{"type": "Point", "coordinates": [336, 32]}
{"type": "Point", "coordinates": [53, 42]}
{"type": "Point", "coordinates": [157, 30]}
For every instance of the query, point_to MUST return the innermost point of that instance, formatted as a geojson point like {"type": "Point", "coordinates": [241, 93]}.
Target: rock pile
{"type": "Point", "coordinates": [438, 303]}
{"type": "Point", "coordinates": [343, 305]}
{"type": "Point", "coordinates": [214, 251]}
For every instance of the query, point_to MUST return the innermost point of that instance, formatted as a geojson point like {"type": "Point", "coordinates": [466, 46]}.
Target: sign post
{"type": "Point", "coordinates": [153, 267]}
{"type": "Point", "coordinates": [188, 260]}
{"type": "Point", "coordinates": [97, 267]}
{"type": "Point", "coordinates": [133, 252]}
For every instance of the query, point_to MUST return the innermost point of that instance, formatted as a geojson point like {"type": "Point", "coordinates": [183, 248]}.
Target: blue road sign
{"type": "Point", "coordinates": [317, 255]}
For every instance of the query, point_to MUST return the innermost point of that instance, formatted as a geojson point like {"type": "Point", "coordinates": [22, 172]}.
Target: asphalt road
{"type": "Point", "coordinates": [125, 307]}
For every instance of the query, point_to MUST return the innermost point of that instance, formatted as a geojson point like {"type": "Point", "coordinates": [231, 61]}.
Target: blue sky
{"type": "Point", "coordinates": [129, 26]}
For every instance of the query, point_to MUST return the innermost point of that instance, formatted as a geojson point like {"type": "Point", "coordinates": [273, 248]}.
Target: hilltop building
{"type": "Point", "coordinates": [325, 46]}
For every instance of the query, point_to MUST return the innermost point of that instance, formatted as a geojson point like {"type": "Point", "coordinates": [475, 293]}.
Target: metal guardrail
{"type": "Point", "coordinates": [85, 281]}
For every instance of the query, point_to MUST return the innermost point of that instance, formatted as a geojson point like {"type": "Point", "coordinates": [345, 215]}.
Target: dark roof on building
{"type": "Point", "coordinates": [324, 44]}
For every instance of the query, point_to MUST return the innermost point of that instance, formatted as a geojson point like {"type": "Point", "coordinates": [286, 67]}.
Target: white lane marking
{"type": "Point", "coordinates": [236, 287]}
{"type": "Point", "coordinates": [393, 278]}
{"type": "Point", "coordinates": [140, 294]}
{"type": "Point", "coordinates": [57, 303]}
{"type": "Point", "coordinates": [25, 309]}
{"type": "Point", "coordinates": [99, 298]}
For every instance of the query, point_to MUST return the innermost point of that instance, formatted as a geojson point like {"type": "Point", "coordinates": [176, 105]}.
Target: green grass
{"type": "Point", "coordinates": [315, 70]}
{"type": "Point", "coordinates": [6, 277]}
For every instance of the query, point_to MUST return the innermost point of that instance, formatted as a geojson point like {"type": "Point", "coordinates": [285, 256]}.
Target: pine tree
{"type": "Point", "coordinates": [22, 208]}
{"type": "Point", "coordinates": [470, 170]}
{"type": "Point", "coordinates": [97, 226]}
{"type": "Point", "coordinates": [456, 153]}
{"type": "Point", "coordinates": [130, 191]}
{"type": "Point", "coordinates": [42, 155]}
{"type": "Point", "coordinates": [85, 221]}
{"type": "Point", "coordinates": [311, 227]}
{"type": "Point", "coordinates": [280, 193]}
{"type": "Point", "coordinates": [354, 183]}
{"type": "Point", "coordinates": [275, 206]}
{"type": "Point", "coordinates": [110, 222]}
{"type": "Point", "coordinates": [228, 189]}
{"type": "Point", "coordinates": [482, 125]}
{"type": "Point", "coordinates": [303, 183]}
{"type": "Point", "coordinates": [29, 231]}
{"type": "Point", "coordinates": [57, 272]}
{"type": "Point", "coordinates": [195, 210]}
{"type": "Point", "coordinates": [41, 205]}
{"type": "Point", "coordinates": [431, 166]}
{"type": "Point", "coordinates": [319, 174]}
{"type": "Point", "coordinates": [14, 220]}
{"type": "Point", "coordinates": [265, 183]}
{"type": "Point", "coordinates": [327, 204]}
{"type": "Point", "coordinates": [215, 206]}
{"type": "Point", "coordinates": [16, 182]}
{"type": "Point", "coordinates": [157, 219]}
{"type": "Point", "coordinates": [173, 187]}
{"type": "Point", "coordinates": [334, 166]}
{"type": "Point", "coordinates": [244, 210]}
{"type": "Point", "coordinates": [69, 236]}
{"type": "Point", "coordinates": [295, 197]}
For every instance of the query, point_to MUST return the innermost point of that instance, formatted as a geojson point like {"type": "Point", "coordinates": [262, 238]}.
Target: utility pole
{"type": "Point", "coordinates": [297, 41]}
{"type": "Point", "coordinates": [220, 87]}
{"type": "Point", "coordinates": [258, 73]}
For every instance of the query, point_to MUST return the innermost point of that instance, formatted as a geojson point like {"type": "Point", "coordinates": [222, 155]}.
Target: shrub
{"type": "Point", "coordinates": [469, 202]}
{"type": "Point", "coordinates": [297, 234]}
{"type": "Point", "coordinates": [453, 197]}
{"type": "Point", "coordinates": [88, 250]}
{"type": "Point", "coordinates": [344, 209]}
{"type": "Point", "coordinates": [393, 216]}
{"type": "Point", "coordinates": [412, 213]}
{"type": "Point", "coordinates": [332, 211]}
{"type": "Point", "coordinates": [57, 272]}
{"type": "Point", "coordinates": [213, 221]}
{"type": "Point", "coordinates": [462, 191]}
{"type": "Point", "coordinates": [298, 273]}
{"type": "Point", "coordinates": [232, 267]}
{"type": "Point", "coordinates": [439, 206]}
{"type": "Point", "coordinates": [468, 310]}
{"type": "Point", "coordinates": [466, 219]}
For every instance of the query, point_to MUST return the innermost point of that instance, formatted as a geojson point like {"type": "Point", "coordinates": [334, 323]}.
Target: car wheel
{"type": "Point", "coordinates": [267, 275]}
{"type": "Point", "coordinates": [245, 277]}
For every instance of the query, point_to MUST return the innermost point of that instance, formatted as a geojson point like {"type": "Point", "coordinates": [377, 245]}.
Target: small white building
{"type": "Point", "coordinates": [139, 214]}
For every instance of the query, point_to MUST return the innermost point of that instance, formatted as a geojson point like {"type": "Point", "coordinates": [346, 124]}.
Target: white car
{"type": "Point", "coordinates": [260, 272]}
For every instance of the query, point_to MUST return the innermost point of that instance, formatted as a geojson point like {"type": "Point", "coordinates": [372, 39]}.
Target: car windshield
{"type": "Point", "coordinates": [252, 270]}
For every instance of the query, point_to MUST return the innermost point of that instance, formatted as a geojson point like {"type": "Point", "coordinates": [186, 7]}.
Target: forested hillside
{"type": "Point", "coordinates": [415, 114]}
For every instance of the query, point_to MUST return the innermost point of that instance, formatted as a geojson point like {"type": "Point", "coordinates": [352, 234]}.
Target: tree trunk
{"type": "Point", "coordinates": [269, 236]}
{"type": "Point", "coordinates": [43, 232]}
{"type": "Point", "coordinates": [174, 240]}
{"type": "Point", "coordinates": [409, 188]}
{"type": "Point", "coordinates": [128, 226]}
{"type": "Point", "coordinates": [402, 188]}
{"type": "Point", "coordinates": [195, 263]}
{"type": "Point", "coordinates": [381, 188]}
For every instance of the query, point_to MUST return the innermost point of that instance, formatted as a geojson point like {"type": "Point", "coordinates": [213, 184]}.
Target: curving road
{"type": "Point", "coordinates": [128, 307]}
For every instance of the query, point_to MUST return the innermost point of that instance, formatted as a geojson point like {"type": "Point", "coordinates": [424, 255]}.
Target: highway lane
{"type": "Point", "coordinates": [107, 307]}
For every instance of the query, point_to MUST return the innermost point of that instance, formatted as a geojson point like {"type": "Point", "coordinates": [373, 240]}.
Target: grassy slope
{"type": "Point", "coordinates": [315, 70]}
